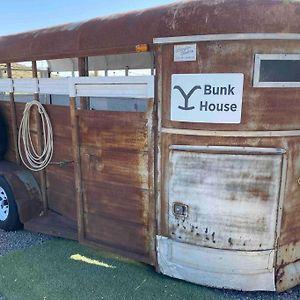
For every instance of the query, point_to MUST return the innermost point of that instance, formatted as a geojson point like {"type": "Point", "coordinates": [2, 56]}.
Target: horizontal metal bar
{"type": "Point", "coordinates": [231, 133]}
{"type": "Point", "coordinates": [122, 86]}
{"type": "Point", "coordinates": [229, 149]}
{"type": "Point", "coordinates": [227, 37]}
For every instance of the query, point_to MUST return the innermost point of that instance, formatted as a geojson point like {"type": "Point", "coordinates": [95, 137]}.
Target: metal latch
{"type": "Point", "coordinates": [180, 209]}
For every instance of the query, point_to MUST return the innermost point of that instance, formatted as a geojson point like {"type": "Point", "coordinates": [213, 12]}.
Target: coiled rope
{"type": "Point", "coordinates": [29, 155]}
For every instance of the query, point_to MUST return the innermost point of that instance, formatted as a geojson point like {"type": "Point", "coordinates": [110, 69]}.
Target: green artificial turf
{"type": "Point", "coordinates": [47, 272]}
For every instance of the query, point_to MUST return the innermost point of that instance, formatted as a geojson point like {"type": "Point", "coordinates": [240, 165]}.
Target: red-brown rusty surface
{"type": "Point", "coordinates": [290, 230]}
{"type": "Point", "coordinates": [60, 172]}
{"type": "Point", "coordinates": [25, 189]}
{"type": "Point", "coordinates": [263, 108]}
{"type": "Point", "coordinates": [120, 33]}
{"type": "Point", "coordinates": [116, 154]}
{"type": "Point", "coordinates": [115, 172]}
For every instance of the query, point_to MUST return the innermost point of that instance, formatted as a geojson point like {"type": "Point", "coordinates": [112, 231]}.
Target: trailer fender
{"type": "Point", "coordinates": [25, 189]}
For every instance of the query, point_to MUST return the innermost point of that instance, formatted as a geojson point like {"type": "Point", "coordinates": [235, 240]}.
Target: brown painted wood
{"type": "Point", "coordinates": [116, 233]}
{"type": "Point", "coordinates": [122, 131]}
{"type": "Point", "coordinates": [61, 190]}
{"type": "Point", "coordinates": [117, 172]}
{"type": "Point", "coordinates": [53, 224]}
{"type": "Point", "coordinates": [77, 168]}
{"type": "Point", "coordinates": [40, 141]}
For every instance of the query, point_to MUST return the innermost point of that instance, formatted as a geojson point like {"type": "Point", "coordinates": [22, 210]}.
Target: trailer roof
{"type": "Point", "coordinates": [120, 33]}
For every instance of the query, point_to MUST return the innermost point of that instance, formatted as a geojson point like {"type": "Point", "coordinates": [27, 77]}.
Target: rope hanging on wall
{"type": "Point", "coordinates": [29, 155]}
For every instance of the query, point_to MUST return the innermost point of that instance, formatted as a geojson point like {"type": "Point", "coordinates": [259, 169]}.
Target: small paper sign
{"type": "Point", "coordinates": [186, 52]}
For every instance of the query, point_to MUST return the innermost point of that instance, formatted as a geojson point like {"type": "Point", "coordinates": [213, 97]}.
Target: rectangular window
{"type": "Point", "coordinates": [277, 70]}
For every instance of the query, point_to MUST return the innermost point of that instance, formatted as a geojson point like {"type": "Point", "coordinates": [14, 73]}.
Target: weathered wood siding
{"type": "Point", "coordinates": [117, 169]}
{"type": "Point", "coordinates": [116, 172]}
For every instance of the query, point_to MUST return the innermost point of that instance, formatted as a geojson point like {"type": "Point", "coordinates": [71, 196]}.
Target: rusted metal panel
{"type": "Point", "coordinates": [290, 226]}
{"type": "Point", "coordinates": [287, 271]}
{"type": "Point", "coordinates": [106, 34]}
{"type": "Point", "coordinates": [26, 190]}
{"type": "Point", "coordinates": [231, 200]}
{"type": "Point", "coordinates": [262, 109]}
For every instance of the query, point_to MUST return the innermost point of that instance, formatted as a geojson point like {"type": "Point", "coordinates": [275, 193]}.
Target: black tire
{"type": "Point", "coordinates": [9, 218]}
{"type": "Point", "coordinates": [3, 138]}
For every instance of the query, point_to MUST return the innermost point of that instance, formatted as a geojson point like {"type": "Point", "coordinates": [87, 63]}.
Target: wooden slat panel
{"type": "Point", "coordinates": [128, 168]}
{"type": "Point", "coordinates": [115, 168]}
{"type": "Point", "coordinates": [111, 130]}
{"type": "Point", "coordinates": [117, 201]}
{"type": "Point", "coordinates": [116, 233]}
{"type": "Point", "coordinates": [60, 189]}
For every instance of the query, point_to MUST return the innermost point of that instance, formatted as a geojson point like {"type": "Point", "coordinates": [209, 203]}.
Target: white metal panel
{"type": "Point", "coordinates": [54, 86]}
{"type": "Point", "coordinates": [207, 97]}
{"type": "Point", "coordinates": [6, 86]}
{"type": "Point", "coordinates": [129, 87]}
{"type": "Point", "coordinates": [105, 62]}
{"type": "Point", "coordinates": [232, 199]}
{"type": "Point", "coordinates": [26, 85]}
{"type": "Point", "coordinates": [240, 270]}
{"type": "Point", "coordinates": [63, 65]}
{"type": "Point", "coordinates": [121, 87]}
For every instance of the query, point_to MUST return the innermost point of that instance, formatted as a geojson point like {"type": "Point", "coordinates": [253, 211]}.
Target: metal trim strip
{"type": "Point", "coordinates": [226, 37]}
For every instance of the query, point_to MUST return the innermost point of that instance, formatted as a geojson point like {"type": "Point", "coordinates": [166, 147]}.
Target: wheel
{"type": "Point", "coordinates": [9, 217]}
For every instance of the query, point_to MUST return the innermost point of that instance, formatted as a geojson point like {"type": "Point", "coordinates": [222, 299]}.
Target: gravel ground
{"type": "Point", "coordinates": [236, 295]}
{"type": "Point", "coordinates": [10, 241]}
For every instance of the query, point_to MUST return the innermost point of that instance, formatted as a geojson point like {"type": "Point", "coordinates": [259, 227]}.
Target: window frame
{"type": "Point", "coordinates": [272, 84]}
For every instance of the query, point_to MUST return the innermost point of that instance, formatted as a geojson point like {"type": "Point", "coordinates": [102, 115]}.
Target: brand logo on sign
{"type": "Point", "coordinates": [210, 98]}
{"type": "Point", "coordinates": [186, 96]}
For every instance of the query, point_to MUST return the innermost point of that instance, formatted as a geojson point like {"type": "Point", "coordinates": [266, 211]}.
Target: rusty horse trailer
{"type": "Point", "coordinates": [194, 169]}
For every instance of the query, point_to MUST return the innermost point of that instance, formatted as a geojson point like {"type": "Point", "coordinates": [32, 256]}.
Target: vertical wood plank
{"type": "Point", "coordinates": [40, 142]}
{"type": "Point", "coordinates": [151, 131]}
{"type": "Point", "coordinates": [14, 125]}
{"type": "Point", "coordinates": [77, 168]}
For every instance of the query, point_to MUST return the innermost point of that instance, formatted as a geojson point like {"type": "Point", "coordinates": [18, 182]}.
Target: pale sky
{"type": "Point", "coordinates": [24, 15]}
